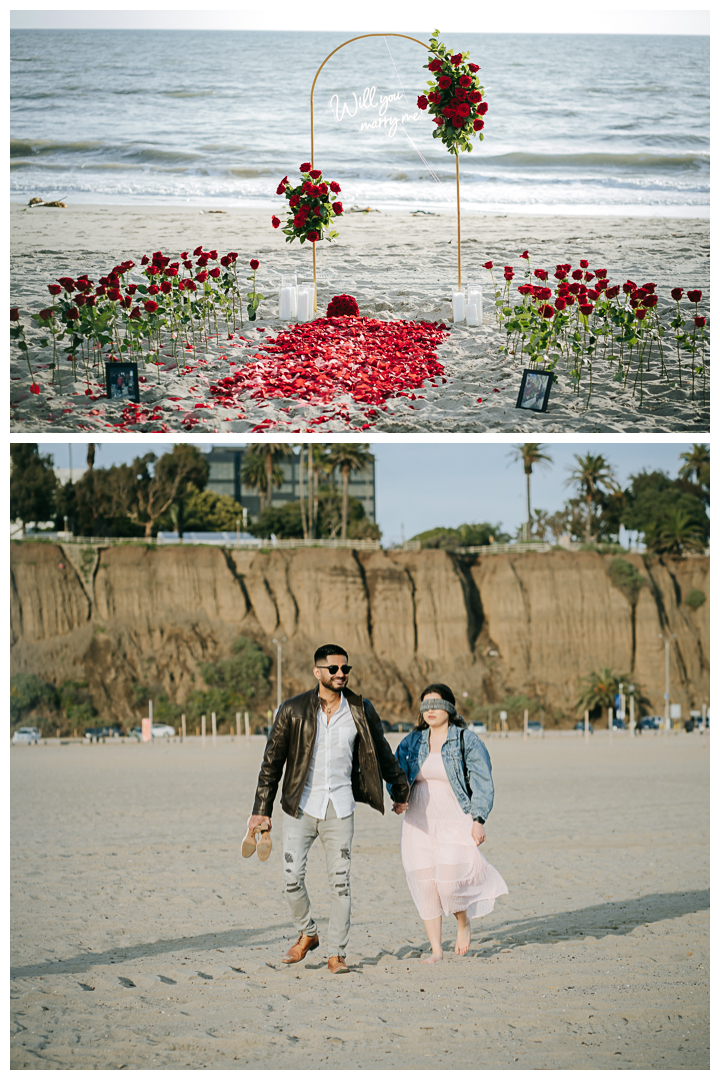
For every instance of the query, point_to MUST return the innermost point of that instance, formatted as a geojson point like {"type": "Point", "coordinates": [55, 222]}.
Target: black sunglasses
{"type": "Point", "coordinates": [333, 668]}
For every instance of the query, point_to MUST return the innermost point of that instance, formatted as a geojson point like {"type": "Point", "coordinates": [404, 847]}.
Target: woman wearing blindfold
{"type": "Point", "coordinates": [451, 796]}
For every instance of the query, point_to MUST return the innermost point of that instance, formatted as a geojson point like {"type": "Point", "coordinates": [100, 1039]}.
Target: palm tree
{"type": "Point", "coordinates": [91, 447]}
{"type": "Point", "coordinates": [270, 455]}
{"type": "Point", "coordinates": [697, 463]}
{"type": "Point", "coordinates": [592, 475]}
{"type": "Point", "coordinates": [252, 474]}
{"type": "Point", "coordinates": [541, 523]}
{"type": "Point", "coordinates": [348, 458]}
{"type": "Point", "coordinates": [598, 690]}
{"type": "Point", "coordinates": [529, 454]}
{"type": "Point", "coordinates": [674, 536]}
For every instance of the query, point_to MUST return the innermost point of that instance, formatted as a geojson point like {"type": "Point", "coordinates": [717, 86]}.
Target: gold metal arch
{"type": "Point", "coordinates": [312, 137]}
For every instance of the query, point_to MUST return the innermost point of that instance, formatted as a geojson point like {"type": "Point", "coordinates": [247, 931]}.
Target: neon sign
{"type": "Point", "coordinates": [371, 99]}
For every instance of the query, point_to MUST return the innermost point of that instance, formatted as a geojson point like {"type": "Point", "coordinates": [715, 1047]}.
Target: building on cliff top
{"type": "Point", "coordinates": [226, 464]}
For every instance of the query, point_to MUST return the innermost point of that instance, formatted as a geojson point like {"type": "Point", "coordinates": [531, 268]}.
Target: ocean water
{"type": "Point", "coordinates": [604, 124]}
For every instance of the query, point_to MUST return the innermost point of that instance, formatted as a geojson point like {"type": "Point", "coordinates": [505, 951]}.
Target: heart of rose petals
{"type": "Point", "coordinates": [368, 359]}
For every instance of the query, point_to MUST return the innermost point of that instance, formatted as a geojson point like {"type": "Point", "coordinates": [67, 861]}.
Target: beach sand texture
{"type": "Point", "coordinates": [398, 266]}
{"type": "Point", "coordinates": [142, 940]}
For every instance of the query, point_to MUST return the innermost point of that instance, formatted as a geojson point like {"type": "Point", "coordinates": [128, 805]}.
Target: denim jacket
{"type": "Point", "coordinates": [415, 747]}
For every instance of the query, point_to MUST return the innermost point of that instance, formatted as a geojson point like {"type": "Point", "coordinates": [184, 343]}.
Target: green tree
{"type": "Point", "coordinates": [530, 454]}
{"type": "Point", "coordinates": [286, 521]}
{"type": "Point", "coordinates": [348, 458]}
{"type": "Point", "coordinates": [27, 693]}
{"type": "Point", "coordinates": [475, 535]}
{"type": "Point", "coordinates": [628, 579]}
{"type": "Point", "coordinates": [558, 524]}
{"type": "Point", "coordinates": [652, 503]}
{"type": "Point", "coordinates": [594, 477]}
{"type": "Point", "coordinates": [272, 455]}
{"type": "Point", "coordinates": [144, 491]}
{"type": "Point", "coordinates": [233, 684]}
{"type": "Point", "coordinates": [207, 511]}
{"type": "Point", "coordinates": [33, 484]}
{"type": "Point", "coordinates": [695, 599]}
{"type": "Point", "coordinates": [696, 463]}
{"type": "Point", "coordinates": [598, 689]}
{"type": "Point", "coordinates": [675, 535]}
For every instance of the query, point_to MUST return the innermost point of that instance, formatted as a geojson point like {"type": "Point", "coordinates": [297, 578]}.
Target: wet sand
{"type": "Point", "coordinates": [142, 940]}
{"type": "Point", "coordinates": [398, 266]}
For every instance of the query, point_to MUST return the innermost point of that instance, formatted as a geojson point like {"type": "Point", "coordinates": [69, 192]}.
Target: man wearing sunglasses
{"type": "Point", "coordinates": [331, 744]}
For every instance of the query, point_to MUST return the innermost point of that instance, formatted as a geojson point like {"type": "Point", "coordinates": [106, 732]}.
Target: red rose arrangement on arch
{"type": "Point", "coordinates": [455, 99]}
{"type": "Point", "coordinates": [313, 206]}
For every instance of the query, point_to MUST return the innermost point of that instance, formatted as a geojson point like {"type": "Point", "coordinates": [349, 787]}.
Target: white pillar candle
{"type": "Point", "coordinates": [304, 305]}
{"type": "Point", "coordinates": [294, 299]}
{"type": "Point", "coordinates": [471, 315]}
{"type": "Point", "coordinates": [309, 288]}
{"type": "Point", "coordinates": [286, 303]}
{"type": "Point", "coordinates": [458, 307]}
{"type": "Point", "coordinates": [475, 297]}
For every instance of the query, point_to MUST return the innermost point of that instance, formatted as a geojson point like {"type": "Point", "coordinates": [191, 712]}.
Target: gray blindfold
{"type": "Point", "coordinates": [437, 703]}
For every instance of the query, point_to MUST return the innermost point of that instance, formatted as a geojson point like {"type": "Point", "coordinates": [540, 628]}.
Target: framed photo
{"type": "Point", "coordinates": [534, 390]}
{"type": "Point", "coordinates": [121, 381]}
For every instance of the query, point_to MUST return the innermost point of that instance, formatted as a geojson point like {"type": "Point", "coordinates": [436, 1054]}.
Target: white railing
{"type": "Point", "coordinates": [504, 549]}
{"type": "Point", "coordinates": [254, 544]}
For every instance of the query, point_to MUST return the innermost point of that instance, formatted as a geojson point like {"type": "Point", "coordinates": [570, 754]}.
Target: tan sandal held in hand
{"type": "Point", "coordinates": [249, 845]}
{"type": "Point", "coordinates": [264, 844]}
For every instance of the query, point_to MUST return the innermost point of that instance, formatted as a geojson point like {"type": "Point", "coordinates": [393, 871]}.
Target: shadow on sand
{"type": "Point", "coordinates": [617, 917]}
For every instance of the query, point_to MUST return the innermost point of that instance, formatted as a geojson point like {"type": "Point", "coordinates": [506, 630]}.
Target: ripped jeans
{"type": "Point", "coordinates": [336, 836]}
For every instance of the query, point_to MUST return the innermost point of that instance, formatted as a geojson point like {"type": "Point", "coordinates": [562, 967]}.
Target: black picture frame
{"type": "Point", "coordinates": [128, 387]}
{"type": "Point", "coordinates": [534, 390]}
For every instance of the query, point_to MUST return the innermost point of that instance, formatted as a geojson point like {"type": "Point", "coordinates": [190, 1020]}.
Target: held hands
{"type": "Point", "coordinates": [399, 807]}
{"type": "Point", "coordinates": [478, 832]}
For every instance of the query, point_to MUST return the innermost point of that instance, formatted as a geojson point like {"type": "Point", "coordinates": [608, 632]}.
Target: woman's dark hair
{"type": "Point", "coordinates": [447, 695]}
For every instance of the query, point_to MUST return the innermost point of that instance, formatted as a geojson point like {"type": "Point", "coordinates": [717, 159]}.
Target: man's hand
{"type": "Point", "coordinates": [399, 807]}
{"type": "Point", "coordinates": [258, 821]}
{"type": "Point", "coordinates": [478, 832]}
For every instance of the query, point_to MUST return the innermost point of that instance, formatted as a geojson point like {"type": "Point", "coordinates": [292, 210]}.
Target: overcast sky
{"type": "Point", "coordinates": [466, 16]}
{"type": "Point", "coordinates": [420, 485]}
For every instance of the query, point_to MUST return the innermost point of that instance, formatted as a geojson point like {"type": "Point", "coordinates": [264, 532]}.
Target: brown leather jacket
{"type": "Point", "coordinates": [291, 743]}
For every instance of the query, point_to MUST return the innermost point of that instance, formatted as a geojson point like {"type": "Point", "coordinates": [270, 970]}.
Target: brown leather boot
{"type": "Point", "coordinates": [337, 965]}
{"type": "Point", "coordinates": [300, 949]}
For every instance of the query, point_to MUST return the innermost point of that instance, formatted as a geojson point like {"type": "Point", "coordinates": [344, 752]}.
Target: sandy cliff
{"type": "Point", "coordinates": [488, 625]}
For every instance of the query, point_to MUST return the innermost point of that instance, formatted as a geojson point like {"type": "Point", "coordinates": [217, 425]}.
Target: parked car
{"type": "Point", "coordinates": [386, 726]}
{"type": "Point", "coordinates": [478, 726]}
{"type": "Point", "coordinates": [159, 731]}
{"type": "Point", "coordinates": [619, 723]}
{"type": "Point", "coordinates": [651, 723]}
{"type": "Point", "coordinates": [402, 725]}
{"type": "Point", "coordinates": [107, 731]}
{"type": "Point", "coordinates": [580, 726]}
{"type": "Point", "coordinates": [163, 731]}
{"type": "Point", "coordinates": [535, 728]}
{"type": "Point", "coordinates": [26, 735]}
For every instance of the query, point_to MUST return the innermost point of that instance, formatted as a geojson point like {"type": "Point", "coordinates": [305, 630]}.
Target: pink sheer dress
{"type": "Point", "coordinates": [445, 870]}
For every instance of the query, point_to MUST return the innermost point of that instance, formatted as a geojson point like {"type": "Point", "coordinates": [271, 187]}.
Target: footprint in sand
{"type": "Point", "coordinates": [164, 979]}
{"type": "Point", "coordinates": [125, 982]}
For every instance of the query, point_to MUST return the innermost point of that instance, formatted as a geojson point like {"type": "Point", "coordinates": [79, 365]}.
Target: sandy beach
{"type": "Point", "coordinates": [142, 940]}
{"type": "Point", "coordinates": [398, 266]}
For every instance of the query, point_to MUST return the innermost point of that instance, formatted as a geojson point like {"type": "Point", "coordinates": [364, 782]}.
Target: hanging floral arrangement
{"type": "Point", "coordinates": [312, 209]}
{"type": "Point", "coordinates": [455, 99]}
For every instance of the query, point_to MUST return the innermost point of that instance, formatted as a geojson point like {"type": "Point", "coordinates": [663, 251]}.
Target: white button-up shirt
{"type": "Point", "coordinates": [330, 775]}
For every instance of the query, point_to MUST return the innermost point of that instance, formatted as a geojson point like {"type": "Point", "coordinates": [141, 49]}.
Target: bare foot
{"type": "Point", "coordinates": [434, 959]}
{"type": "Point", "coordinates": [463, 937]}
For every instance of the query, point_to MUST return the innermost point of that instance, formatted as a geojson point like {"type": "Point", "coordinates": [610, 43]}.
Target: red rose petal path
{"type": "Point", "coordinates": [318, 362]}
